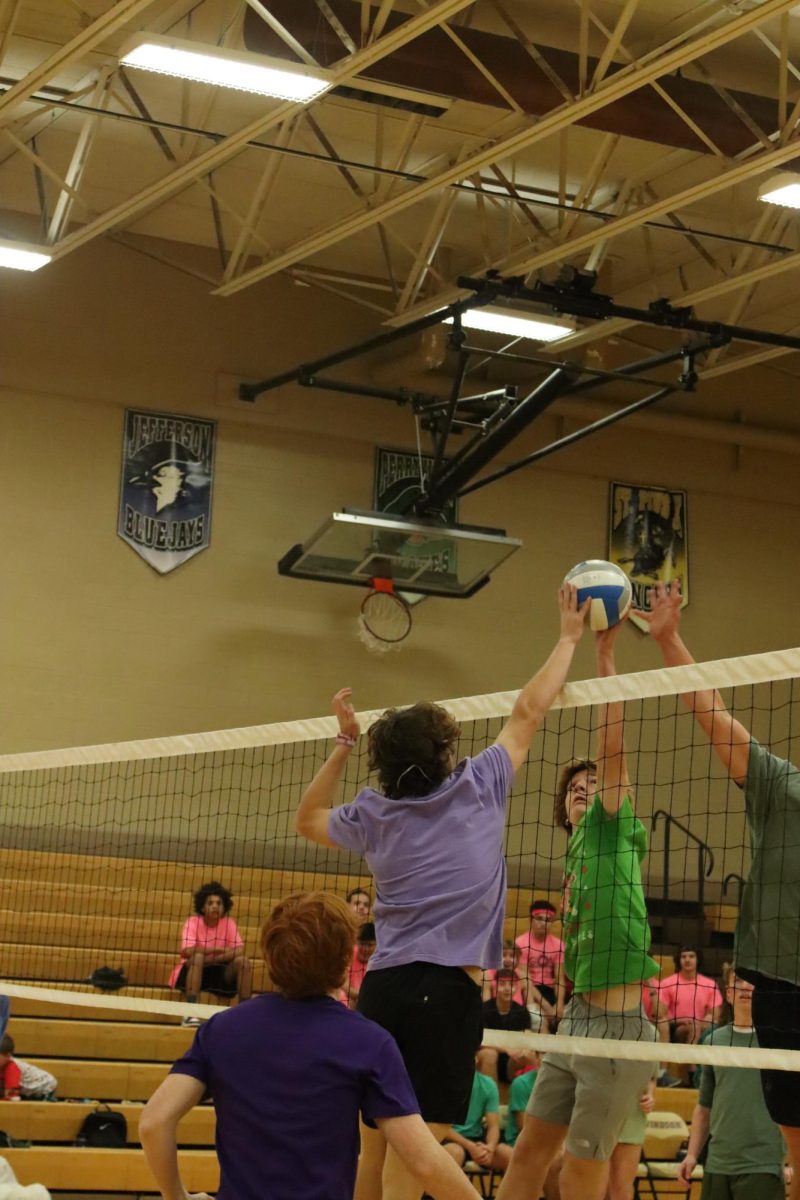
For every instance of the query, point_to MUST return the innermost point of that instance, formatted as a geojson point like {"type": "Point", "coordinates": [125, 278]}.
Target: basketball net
{"type": "Point", "coordinates": [384, 621]}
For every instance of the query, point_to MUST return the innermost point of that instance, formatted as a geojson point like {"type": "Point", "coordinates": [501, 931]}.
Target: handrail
{"type": "Point", "coordinates": [705, 865]}
{"type": "Point", "coordinates": [741, 881]}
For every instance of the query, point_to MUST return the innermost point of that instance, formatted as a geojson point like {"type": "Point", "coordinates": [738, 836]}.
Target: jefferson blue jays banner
{"type": "Point", "coordinates": [165, 491]}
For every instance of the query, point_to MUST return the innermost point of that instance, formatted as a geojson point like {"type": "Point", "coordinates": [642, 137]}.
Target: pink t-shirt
{"type": "Point", "coordinates": [358, 970]}
{"type": "Point", "coordinates": [541, 959]}
{"type": "Point", "coordinates": [687, 999]}
{"type": "Point", "coordinates": [222, 936]}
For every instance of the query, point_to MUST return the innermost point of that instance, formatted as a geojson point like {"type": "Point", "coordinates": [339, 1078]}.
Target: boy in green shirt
{"type": "Point", "coordinates": [478, 1138]}
{"type": "Point", "coordinates": [745, 1157]}
{"type": "Point", "coordinates": [606, 939]}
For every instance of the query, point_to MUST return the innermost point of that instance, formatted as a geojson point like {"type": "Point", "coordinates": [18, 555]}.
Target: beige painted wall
{"type": "Point", "coordinates": [97, 647]}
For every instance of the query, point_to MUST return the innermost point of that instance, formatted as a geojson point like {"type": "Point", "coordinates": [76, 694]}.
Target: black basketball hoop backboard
{"type": "Point", "coordinates": [419, 556]}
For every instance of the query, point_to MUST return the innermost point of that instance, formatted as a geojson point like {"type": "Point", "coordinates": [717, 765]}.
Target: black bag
{"type": "Point", "coordinates": [110, 979]}
{"type": "Point", "coordinates": [104, 1129]}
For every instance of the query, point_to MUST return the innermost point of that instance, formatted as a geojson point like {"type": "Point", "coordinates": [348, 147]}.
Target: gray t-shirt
{"type": "Point", "coordinates": [438, 865]}
{"type": "Point", "coordinates": [768, 931]}
{"type": "Point", "coordinates": [744, 1139]}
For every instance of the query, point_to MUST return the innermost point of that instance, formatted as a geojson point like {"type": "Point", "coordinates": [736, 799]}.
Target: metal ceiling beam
{"type": "Point", "coordinates": [692, 299]}
{"type": "Point", "coordinates": [691, 195]}
{"type": "Point", "coordinates": [741, 361]}
{"type": "Point", "coordinates": [163, 189]}
{"type": "Point", "coordinates": [78, 162]}
{"type": "Point", "coordinates": [9, 11]}
{"type": "Point", "coordinates": [283, 33]}
{"type": "Point", "coordinates": [79, 46]}
{"type": "Point", "coordinates": [612, 89]}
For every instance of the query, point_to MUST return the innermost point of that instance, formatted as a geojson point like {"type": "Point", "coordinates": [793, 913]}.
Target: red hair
{"type": "Point", "coordinates": [307, 942]}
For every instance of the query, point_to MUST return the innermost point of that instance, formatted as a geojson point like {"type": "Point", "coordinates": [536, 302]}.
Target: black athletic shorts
{"type": "Point", "coordinates": [776, 1017]}
{"type": "Point", "coordinates": [213, 980]}
{"type": "Point", "coordinates": [547, 992]}
{"type": "Point", "coordinates": [435, 1015]}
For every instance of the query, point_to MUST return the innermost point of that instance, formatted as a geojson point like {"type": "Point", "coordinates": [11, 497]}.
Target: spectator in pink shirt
{"type": "Point", "coordinates": [542, 957]}
{"type": "Point", "coordinates": [362, 952]}
{"type": "Point", "coordinates": [212, 951]}
{"type": "Point", "coordinates": [689, 1001]}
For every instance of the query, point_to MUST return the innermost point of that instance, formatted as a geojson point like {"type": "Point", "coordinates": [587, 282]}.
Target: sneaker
{"type": "Point", "coordinates": [666, 1080]}
{"type": "Point", "coordinates": [191, 1022]}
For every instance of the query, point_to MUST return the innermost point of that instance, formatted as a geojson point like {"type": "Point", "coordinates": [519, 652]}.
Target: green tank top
{"type": "Point", "coordinates": [606, 934]}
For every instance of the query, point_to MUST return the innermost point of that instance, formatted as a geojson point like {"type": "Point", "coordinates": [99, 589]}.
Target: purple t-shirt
{"type": "Point", "coordinates": [289, 1079]}
{"type": "Point", "coordinates": [438, 865]}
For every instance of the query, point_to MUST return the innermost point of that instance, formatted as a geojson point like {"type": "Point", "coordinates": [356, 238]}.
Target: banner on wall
{"type": "Point", "coordinates": [166, 486]}
{"type": "Point", "coordinates": [647, 537]}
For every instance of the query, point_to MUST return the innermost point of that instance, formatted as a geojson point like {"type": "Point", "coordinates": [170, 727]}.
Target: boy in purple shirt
{"type": "Point", "coordinates": [289, 1073]}
{"type": "Point", "coordinates": [433, 839]}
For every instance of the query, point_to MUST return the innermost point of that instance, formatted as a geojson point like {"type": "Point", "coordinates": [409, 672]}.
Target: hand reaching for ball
{"type": "Point", "coordinates": [665, 612]}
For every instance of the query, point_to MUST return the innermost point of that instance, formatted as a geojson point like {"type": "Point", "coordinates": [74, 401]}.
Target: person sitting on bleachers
{"type": "Point", "coordinates": [478, 1139]}
{"type": "Point", "coordinates": [212, 951]}
{"type": "Point", "coordinates": [22, 1080]}
{"type": "Point", "coordinates": [504, 1013]}
{"type": "Point", "coordinates": [542, 956]}
{"type": "Point", "coordinates": [362, 952]}
{"type": "Point", "coordinates": [689, 1001]}
{"type": "Point", "coordinates": [519, 1094]}
{"type": "Point", "coordinates": [12, 1189]}
{"type": "Point", "coordinates": [288, 1056]}
{"type": "Point", "coordinates": [361, 903]}
{"type": "Point", "coordinates": [510, 960]}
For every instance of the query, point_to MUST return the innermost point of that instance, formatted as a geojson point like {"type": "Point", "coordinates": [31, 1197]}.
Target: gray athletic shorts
{"type": "Point", "coordinates": [593, 1096]}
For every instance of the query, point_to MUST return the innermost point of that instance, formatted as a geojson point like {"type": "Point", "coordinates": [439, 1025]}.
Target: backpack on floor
{"type": "Point", "coordinates": [104, 1129]}
{"type": "Point", "coordinates": [109, 979]}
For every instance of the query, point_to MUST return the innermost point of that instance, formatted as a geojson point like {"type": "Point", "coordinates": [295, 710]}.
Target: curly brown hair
{"type": "Point", "coordinates": [307, 942]}
{"type": "Point", "coordinates": [411, 749]}
{"type": "Point", "coordinates": [568, 773]}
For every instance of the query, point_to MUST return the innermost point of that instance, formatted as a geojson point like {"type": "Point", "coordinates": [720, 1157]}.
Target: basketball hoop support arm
{"type": "Point", "coordinates": [307, 371]}
{"type": "Point", "coordinates": [467, 464]}
{"type": "Point", "coordinates": [576, 298]}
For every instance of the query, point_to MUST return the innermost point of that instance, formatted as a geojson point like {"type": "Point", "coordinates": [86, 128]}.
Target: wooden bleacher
{"type": "Point", "coordinates": [64, 915]}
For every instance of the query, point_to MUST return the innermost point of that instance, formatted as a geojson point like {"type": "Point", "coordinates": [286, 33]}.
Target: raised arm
{"type": "Point", "coordinates": [613, 784]}
{"type": "Point", "coordinates": [729, 738]}
{"type": "Point", "coordinates": [311, 818]}
{"type": "Point", "coordinates": [533, 702]}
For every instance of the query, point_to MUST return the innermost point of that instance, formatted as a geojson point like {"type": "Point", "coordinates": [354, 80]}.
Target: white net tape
{"type": "Point", "coordinates": [666, 681]}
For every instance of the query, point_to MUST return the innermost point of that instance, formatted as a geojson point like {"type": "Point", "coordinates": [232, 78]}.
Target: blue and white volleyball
{"type": "Point", "coordinates": [608, 587]}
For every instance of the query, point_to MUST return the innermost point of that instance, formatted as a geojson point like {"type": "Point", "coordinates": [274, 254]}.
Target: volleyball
{"type": "Point", "coordinates": [608, 587]}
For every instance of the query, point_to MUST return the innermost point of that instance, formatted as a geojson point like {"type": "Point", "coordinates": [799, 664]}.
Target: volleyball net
{"type": "Point", "coordinates": [103, 847]}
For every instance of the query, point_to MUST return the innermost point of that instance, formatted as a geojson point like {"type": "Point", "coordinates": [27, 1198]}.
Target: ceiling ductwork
{"type": "Point", "coordinates": [434, 57]}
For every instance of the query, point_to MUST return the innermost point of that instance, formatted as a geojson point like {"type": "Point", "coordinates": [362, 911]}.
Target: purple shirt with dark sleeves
{"type": "Point", "coordinates": [438, 865]}
{"type": "Point", "coordinates": [288, 1079]}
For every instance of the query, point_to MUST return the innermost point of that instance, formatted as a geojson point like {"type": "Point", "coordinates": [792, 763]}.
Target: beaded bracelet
{"type": "Point", "coordinates": [344, 739]}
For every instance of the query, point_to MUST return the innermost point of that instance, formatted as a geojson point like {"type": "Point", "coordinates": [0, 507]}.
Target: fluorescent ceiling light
{"type": "Point", "coordinates": [20, 257]}
{"type": "Point", "coordinates": [225, 68]}
{"type": "Point", "coordinates": [504, 320]}
{"type": "Point", "coordinates": [783, 188]}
